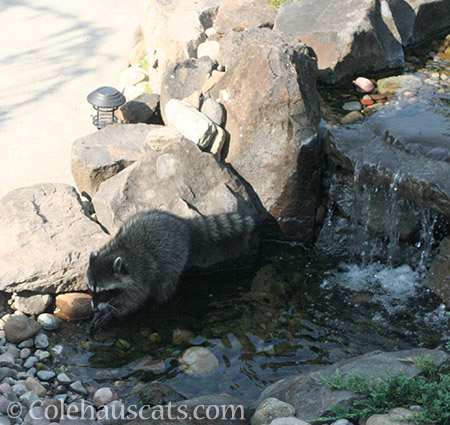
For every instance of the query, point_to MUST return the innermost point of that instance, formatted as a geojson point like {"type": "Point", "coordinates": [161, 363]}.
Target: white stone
{"type": "Point", "coordinates": [218, 143]}
{"type": "Point", "coordinates": [132, 76]}
{"type": "Point", "coordinates": [190, 122]}
{"type": "Point", "coordinates": [292, 420]}
{"type": "Point", "coordinates": [49, 322]}
{"type": "Point", "coordinates": [104, 396]}
{"type": "Point", "coordinates": [198, 361]}
{"type": "Point", "coordinates": [209, 48]}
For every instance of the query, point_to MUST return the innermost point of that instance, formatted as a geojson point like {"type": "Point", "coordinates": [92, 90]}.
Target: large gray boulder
{"type": "Point", "coordinates": [181, 179]}
{"type": "Point", "coordinates": [173, 30]}
{"type": "Point", "coordinates": [349, 37]}
{"type": "Point", "coordinates": [269, 93]}
{"type": "Point", "coordinates": [183, 79]}
{"type": "Point", "coordinates": [312, 398]}
{"type": "Point", "coordinates": [101, 155]}
{"type": "Point", "coordinates": [45, 239]}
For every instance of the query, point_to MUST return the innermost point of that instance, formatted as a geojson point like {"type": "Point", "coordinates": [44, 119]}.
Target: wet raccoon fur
{"type": "Point", "coordinates": [146, 257]}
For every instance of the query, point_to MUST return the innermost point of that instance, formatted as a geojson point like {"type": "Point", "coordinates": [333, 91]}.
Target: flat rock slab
{"type": "Point", "coordinates": [101, 155]}
{"type": "Point", "coordinates": [45, 239]}
{"type": "Point", "coordinates": [269, 93]}
{"type": "Point", "coordinates": [407, 148]}
{"type": "Point", "coordinates": [312, 398]}
{"type": "Point", "coordinates": [438, 276]}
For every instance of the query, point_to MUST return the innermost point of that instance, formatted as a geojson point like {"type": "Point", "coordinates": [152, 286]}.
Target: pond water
{"type": "Point", "coordinates": [291, 311]}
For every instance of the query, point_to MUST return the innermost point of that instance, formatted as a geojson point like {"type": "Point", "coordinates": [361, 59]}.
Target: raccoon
{"type": "Point", "coordinates": [146, 257]}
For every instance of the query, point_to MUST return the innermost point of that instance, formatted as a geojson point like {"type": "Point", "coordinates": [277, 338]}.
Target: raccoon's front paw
{"type": "Point", "coordinates": [99, 320]}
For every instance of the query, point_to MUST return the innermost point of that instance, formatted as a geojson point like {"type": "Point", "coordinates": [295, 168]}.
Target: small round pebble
{"type": "Point", "coordinates": [25, 353]}
{"type": "Point", "coordinates": [29, 362]}
{"type": "Point", "coordinates": [5, 388]}
{"type": "Point", "coordinates": [41, 355]}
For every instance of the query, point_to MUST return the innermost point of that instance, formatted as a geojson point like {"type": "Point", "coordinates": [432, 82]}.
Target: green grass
{"type": "Point", "coordinates": [430, 390]}
{"type": "Point", "coordinates": [148, 89]}
{"type": "Point", "coordinates": [277, 3]}
{"type": "Point", "coordinates": [144, 64]}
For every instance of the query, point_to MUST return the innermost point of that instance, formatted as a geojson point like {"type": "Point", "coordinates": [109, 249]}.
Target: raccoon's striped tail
{"type": "Point", "coordinates": [215, 228]}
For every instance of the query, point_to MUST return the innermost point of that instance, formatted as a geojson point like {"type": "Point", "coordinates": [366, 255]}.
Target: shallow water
{"type": "Point", "coordinates": [286, 314]}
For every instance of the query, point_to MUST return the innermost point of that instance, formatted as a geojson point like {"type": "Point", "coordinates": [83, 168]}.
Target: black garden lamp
{"type": "Point", "coordinates": [105, 101]}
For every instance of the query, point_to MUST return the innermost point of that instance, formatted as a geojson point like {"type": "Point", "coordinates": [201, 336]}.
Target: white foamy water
{"type": "Point", "coordinates": [392, 287]}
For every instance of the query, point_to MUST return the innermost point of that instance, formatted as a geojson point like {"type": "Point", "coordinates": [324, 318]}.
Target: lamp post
{"type": "Point", "coordinates": [105, 101]}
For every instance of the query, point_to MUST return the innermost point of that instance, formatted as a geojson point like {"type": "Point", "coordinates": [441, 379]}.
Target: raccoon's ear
{"type": "Point", "coordinates": [117, 267]}
{"type": "Point", "coordinates": [91, 257]}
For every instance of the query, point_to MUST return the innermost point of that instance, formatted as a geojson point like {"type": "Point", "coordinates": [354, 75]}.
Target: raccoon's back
{"type": "Point", "coordinates": [155, 239]}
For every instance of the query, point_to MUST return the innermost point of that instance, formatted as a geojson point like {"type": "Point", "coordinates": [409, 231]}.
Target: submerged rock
{"type": "Point", "coordinates": [198, 361]}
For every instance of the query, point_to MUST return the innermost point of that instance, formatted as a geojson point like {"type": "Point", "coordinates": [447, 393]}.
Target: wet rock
{"type": "Point", "coordinates": [104, 396]}
{"type": "Point", "coordinates": [49, 322]}
{"type": "Point", "coordinates": [112, 410]}
{"type": "Point", "coordinates": [73, 305]}
{"type": "Point", "coordinates": [20, 328]}
{"type": "Point", "coordinates": [397, 416]}
{"type": "Point", "coordinates": [181, 336]}
{"type": "Point", "coordinates": [270, 409]}
{"type": "Point", "coordinates": [173, 32]}
{"type": "Point", "coordinates": [35, 386]}
{"type": "Point", "coordinates": [438, 276]}
{"type": "Point", "coordinates": [157, 394]}
{"type": "Point", "coordinates": [312, 398]}
{"type": "Point", "coordinates": [214, 111]}
{"type": "Point", "coordinates": [177, 187]}
{"type": "Point", "coordinates": [349, 38]}
{"type": "Point", "coordinates": [273, 137]}
{"type": "Point", "coordinates": [101, 155]}
{"type": "Point", "coordinates": [406, 154]}
{"type": "Point", "coordinates": [398, 84]}
{"type": "Point", "coordinates": [140, 109]}
{"type": "Point", "coordinates": [198, 361]}
{"type": "Point", "coordinates": [32, 304]}
{"type": "Point", "coordinates": [184, 78]}
{"type": "Point", "coordinates": [190, 122]}
{"type": "Point", "coordinates": [158, 138]}
{"type": "Point", "coordinates": [45, 239]}
{"type": "Point", "coordinates": [244, 14]}
{"type": "Point", "coordinates": [41, 341]}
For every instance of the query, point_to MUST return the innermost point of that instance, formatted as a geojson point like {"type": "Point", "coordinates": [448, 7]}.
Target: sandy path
{"type": "Point", "coordinates": [53, 53]}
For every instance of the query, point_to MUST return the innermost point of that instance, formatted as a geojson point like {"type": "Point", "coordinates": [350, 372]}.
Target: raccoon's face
{"type": "Point", "coordinates": [104, 280]}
